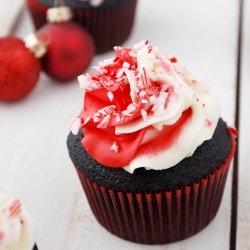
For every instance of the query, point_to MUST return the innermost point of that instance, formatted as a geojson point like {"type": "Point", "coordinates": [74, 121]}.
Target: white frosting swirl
{"type": "Point", "coordinates": [188, 91]}
{"type": "Point", "coordinates": [16, 225]}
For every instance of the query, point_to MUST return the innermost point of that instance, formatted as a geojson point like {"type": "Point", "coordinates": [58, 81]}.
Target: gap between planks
{"type": "Point", "coordinates": [234, 195]}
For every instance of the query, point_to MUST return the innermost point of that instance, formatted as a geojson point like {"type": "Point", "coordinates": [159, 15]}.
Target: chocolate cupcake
{"type": "Point", "coordinates": [17, 229]}
{"type": "Point", "coordinates": [153, 153]}
{"type": "Point", "coordinates": [109, 22]}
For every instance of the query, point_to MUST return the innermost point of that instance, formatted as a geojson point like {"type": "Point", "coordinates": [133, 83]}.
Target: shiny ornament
{"type": "Point", "coordinates": [70, 48]}
{"type": "Point", "coordinates": [19, 69]}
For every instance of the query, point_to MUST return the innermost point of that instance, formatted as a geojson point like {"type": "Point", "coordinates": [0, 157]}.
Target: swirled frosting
{"type": "Point", "coordinates": [144, 109]}
{"type": "Point", "coordinates": [16, 226]}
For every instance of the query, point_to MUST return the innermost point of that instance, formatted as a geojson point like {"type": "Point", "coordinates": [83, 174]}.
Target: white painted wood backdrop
{"type": "Point", "coordinates": [243, 220]}
{"type": "Point", "coordinates": [9, 13]}
{"type": "Point", "coordinates": [34, 163]}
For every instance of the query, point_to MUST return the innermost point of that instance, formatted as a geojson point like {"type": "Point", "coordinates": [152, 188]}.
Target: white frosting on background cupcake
{"type": "Point", "coordinates": [17, 230]}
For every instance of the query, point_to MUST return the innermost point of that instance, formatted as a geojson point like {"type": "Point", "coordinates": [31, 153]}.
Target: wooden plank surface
{"type": "Point", "coordinates": [34, 163]}
{"type": "Point", "coordinates": [243, 221]}
{"type": "Point", "coordinates": [9, 13]}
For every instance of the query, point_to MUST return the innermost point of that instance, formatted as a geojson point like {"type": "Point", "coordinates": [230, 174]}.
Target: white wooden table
{"type": "Point", "coordinates": [34, 163]}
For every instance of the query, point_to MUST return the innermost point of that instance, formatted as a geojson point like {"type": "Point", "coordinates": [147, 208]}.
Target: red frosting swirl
{"type": "Point", "coordinates": [108, 103]}
{"type": "Point", "coordinates": [97, 142]}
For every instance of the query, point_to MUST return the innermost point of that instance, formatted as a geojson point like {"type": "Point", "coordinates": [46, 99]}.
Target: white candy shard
{"type": "Point", "coordinates": [144, 114]}
{"type": "Point", "coordinates": [114, 147]}
{"type": "Point", "coordinates": [110, 96]}
{"type": "Point", "coordinates": [87, 119]}
{"type": "Point", "coordinates": [83, 81]}
{"type": "Point", "coordinates": [107, 110]}
{"type": "Point", "coordinates": [75, 125]}
{"type": "Point", "coordinates": [125, 65]}
{"type": "Point", "coordinates": [104, 123]}
{"type": "Point", "coordinates": [96, 119]}
{"type": "Point", "coordinates": [140, 45]}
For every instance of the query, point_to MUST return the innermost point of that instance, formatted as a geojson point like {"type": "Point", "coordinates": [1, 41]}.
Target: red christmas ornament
{"type": "Point", "coordinates": [70, 49]}
{"type": "Point", "coordinates": [19, 69]}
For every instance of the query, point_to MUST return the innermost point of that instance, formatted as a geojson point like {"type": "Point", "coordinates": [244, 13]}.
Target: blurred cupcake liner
{"type": "Point", "coordinates": [109, 26]}
{"type": "Point", "coordinates": [159, 217]}
{"type": "Point", "coordinates": [35, 247]}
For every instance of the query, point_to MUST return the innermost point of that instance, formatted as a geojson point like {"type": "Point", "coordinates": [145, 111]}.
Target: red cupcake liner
{"type": "Point", "coordinates": [159, 217]}
{"type": "Point", "coordinates": [109, 27]}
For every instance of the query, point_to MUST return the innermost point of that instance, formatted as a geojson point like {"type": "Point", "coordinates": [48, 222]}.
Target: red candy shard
{"type": "Point", "coordinates": [208, 123]}
{"type": "Point", "coordinates": [2, 235]}
{"type": "Point", "coordinates": [15, 208]}
{"type": "Point", "coordinates": [173, 60]}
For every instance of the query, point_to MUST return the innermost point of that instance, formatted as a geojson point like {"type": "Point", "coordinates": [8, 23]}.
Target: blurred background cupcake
{"type": "Point", "coordinates": [17, 230]}
{"type": "Point", "coordinates": [108, 21]}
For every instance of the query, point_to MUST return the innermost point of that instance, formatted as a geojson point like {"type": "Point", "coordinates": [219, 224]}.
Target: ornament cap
{"type": "Point", "coordinates": [33, 43]}
{"type": "Point", "coordinates": [59, 14]}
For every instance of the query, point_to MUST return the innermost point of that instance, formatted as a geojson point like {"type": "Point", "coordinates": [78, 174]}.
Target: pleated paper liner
{"type": "Point", "coordinates": [108, 26]}
{"type": "Point", "coordinates": [159, 217]}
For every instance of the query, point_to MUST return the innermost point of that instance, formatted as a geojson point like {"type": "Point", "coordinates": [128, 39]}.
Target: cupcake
{"type": "Point", "coordinates": [16, 226]}
{"type": "Point", "coordinates": [108, 21]}
{"type": "Point", "coordinates": [149, 146]}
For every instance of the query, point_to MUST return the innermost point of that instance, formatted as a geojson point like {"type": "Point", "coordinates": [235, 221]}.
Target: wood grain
{"type": "Point", "coordinates": [9, 12]}
{"type": "Point", "coordinates": [243, 220]}
{"type": "Point", "coordinates": [34, 163]}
